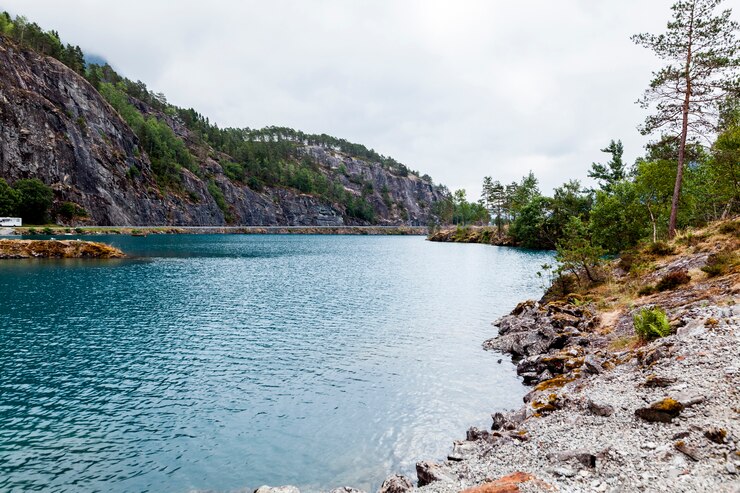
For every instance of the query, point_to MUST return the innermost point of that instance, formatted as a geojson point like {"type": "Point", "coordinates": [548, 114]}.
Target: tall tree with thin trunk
{"type": "Point", "coordinates": [702, 54]}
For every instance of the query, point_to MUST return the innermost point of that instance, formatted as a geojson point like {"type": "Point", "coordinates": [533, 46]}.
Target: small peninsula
{"type": "Point", "coordinates": [31, 249]}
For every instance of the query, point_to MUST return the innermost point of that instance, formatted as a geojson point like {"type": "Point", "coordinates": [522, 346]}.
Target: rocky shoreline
{"type": "Point", "coordinates": [36, 249]}
{"type": "Point", "coordinates": [609, 412]}
{"type": "Point", "coordinates": [486, 235]}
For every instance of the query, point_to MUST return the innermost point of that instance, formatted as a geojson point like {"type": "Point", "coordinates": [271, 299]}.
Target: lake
{"type": "Point", "coordinates": [224, 362]}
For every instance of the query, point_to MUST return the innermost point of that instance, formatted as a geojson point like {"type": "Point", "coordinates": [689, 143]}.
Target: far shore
{"type": "Point", "coordinates": [55, 230]}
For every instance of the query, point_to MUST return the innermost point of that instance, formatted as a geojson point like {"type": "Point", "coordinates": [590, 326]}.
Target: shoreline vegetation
{"type": "Point", "coordinates": [487, 235]}
{"type": "Point", "coordinates": [60, 249]}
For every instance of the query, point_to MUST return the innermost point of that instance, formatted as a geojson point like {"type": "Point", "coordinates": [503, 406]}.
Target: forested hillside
{"type": "Point", "coordinates": [113, 152]}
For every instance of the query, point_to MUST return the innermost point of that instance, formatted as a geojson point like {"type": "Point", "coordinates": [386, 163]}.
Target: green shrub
{"type": "Point", "coordinates": [218, 196]}
{"type": "Point", "coordinates": [672, 280]}
{"type": "Point", "coordinates": [48, 231]}
{"type": "Point", "coordinates": [35, 199]}
{"type": "Point", "coordinates": [661, 248]}
{"type": "Point", "coordinates": [651, 323]}
{"type": "Point", "coordinates": [234, 171]}
{"type": "Point", "coordinates": [79, 231]}
{"type": "Point", "coordinates": [719, 263]}
{"type": "Point", "coordinates": [32, 231]}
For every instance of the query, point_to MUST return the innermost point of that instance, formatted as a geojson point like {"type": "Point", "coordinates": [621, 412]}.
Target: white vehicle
{"type": "Point", "coordinates": [11, 221]}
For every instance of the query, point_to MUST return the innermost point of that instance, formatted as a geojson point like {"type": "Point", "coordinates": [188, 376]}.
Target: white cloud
{"type": "Point", "coordinates": [457, 89]}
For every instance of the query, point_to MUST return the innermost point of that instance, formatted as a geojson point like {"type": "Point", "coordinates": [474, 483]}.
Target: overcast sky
{"type": "Point", "coordinates": [456, 89]}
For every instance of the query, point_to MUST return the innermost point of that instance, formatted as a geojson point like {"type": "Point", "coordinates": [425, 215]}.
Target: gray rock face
{"type": "Point", "coordinates": [56, 127]}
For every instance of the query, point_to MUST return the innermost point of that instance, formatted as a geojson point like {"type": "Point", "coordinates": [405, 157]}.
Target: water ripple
{"type": "Point", "coordinates": [225, 362]}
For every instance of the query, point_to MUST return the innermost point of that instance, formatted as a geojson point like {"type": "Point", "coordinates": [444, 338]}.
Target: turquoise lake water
{"type": "Point", "coordinates": [222, 363]}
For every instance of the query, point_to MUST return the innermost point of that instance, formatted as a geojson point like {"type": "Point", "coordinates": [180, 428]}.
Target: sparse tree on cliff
{"type": "Point", "coordinates": [702, 54]}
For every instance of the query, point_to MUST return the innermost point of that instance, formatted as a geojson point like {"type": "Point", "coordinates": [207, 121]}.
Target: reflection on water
{"type": "Point", "coordinates": [226, 362]}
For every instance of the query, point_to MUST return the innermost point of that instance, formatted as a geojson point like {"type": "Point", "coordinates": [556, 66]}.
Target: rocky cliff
{"type": "Point", "coordinates": [56, 127]}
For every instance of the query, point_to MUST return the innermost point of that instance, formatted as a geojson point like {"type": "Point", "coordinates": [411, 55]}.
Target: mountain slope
{"type": "Point", "coordinates": [56, 126]}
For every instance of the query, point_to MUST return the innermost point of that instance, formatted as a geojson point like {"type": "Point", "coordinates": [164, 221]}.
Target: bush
{"type": "Point", "coordinates": [719, 263]}
{"type": "Point", "coordinates": [646, 291]}
{"type": "Point", "coordinates": [672, 280]}
{"type": "Point", "coordinates": [626, 261]}
{"type": "Point", "coordinates": [661, 248]}
{"type": "Point", "coordinates": [732, 227]}
{"type": "Point", "coordinates": [9, 199]}
{"type": "Point", "coordinates": [651, 323]}
{"type": "Point", "coordinates": [70, 210]}
{"type": "Point", "coordinates": [218, 196]}
{"type": "Point", "coordinates": [35, 199]}
{"type": "Point", "coordinates": [48, 231]}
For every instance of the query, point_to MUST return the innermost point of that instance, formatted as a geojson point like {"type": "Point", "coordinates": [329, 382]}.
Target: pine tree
{"type": "Point", "coordinates": [612, 172]}
{"type": "Point", "coordinates": [702, 55]}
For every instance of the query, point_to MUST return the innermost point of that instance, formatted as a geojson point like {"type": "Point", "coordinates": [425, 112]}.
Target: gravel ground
{"type": "Point", "coordinates": [702, 364]}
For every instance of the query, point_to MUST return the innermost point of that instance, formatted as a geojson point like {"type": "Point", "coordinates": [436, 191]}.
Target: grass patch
{"type": "Point", "coordinates": [661, 249]}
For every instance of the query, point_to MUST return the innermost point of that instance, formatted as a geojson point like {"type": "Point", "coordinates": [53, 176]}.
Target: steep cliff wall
{"type": "Point", "coordinates": [56, 127]}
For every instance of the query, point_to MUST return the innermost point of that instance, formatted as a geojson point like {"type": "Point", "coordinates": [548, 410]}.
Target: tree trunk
{"type": "Point", "coordinates": [684, 135]}
{"type": "Point", "coordinates": [655, 227]}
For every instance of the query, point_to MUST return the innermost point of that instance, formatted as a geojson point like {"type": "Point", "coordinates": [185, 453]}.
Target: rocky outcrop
{"type": "Point", "coordinates": [27, 249]}
{"type": "Point", "coordinates": [56, 127]}
{"type": "Point", "coordinates": [487, 235]}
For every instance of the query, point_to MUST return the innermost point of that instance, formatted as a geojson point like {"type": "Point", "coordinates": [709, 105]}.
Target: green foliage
{"type": "Point", "coordinates": [69, 210]}
{"type": "Point", "coordinates": [577, 254]}
{"type": "Point", "coordinates": [618, 218]}
{"type": "Point", "coordinates": [651, 323]}
{"type": "Point", "coordinates": [719, 264]}
{"type": "Point", "coordinates": [47, 231]}
{"type": "Point", "coordinates": [218, 196]}
{"type": "Point", "coordinates": [672, 280]}
{"type": "Point", "coordinates": [613, 172]}
{"type": "Point", "coordinates": [34, 202]}
{"type": "Point", "coordinates": [9, 198]}
{"type": "Point", "coordinates": [530, 228]}
{"type": "Point", "coordinates": [234, 171]}
{"type": "Point", "coordinates": [166, 151]}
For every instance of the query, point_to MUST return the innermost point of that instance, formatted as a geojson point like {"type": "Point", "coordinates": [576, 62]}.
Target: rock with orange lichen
{"type": "Point", "coordinates": [511, 484]}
